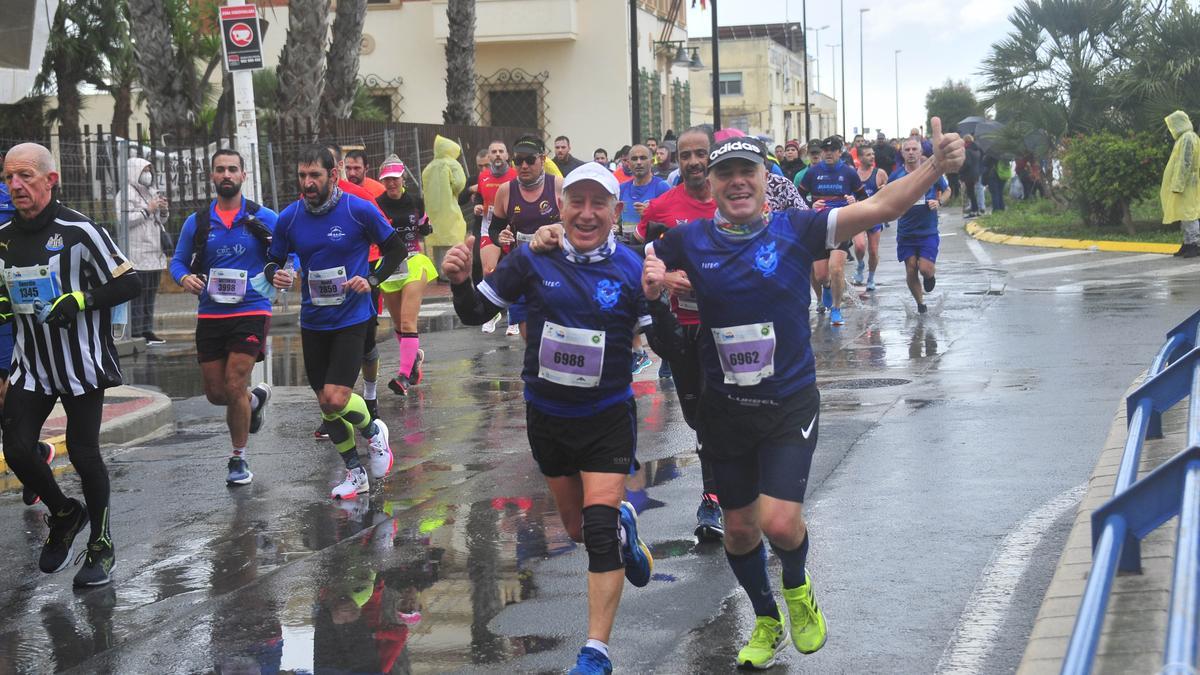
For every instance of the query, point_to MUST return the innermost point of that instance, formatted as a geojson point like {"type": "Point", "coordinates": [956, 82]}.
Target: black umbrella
{"type": "Point", "coordinates": [987, 134]}
{"type": "Point", "coordinates": [969, 124]}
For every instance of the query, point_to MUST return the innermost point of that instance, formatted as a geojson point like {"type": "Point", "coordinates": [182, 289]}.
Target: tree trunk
{"type": "Point", "coordinates": [460, 63]}
{"type": "Point", "coordinates": [168, 80]}
{"type": "Point", "coordinates": [302, 63]}
{"type": "Point", "coordinates": [341, 77]}
{"type": "Point", "coordinates": [122, 109]}
{"type": "Point", "coordinates": [68, 75]}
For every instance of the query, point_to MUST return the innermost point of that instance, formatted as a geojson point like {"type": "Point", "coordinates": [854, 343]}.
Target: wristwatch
{"type": "Point", "coordinates": [89, 302]}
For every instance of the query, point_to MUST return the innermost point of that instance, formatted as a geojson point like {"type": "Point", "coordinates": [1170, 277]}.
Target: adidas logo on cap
{"type": "Point", "coordinates": [736, 145]}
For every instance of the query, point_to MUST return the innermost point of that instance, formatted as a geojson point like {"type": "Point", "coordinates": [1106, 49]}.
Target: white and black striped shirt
{"type": "Point", "coordinates": [77, 255]}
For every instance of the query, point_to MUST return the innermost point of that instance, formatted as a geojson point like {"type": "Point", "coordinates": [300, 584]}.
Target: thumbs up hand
{"type": "Point", "coordinates": [654, 273]}
{"type": "Point", "coordinates": [456, 266]}
{"type": "Point", "coordinates": [949, 151]}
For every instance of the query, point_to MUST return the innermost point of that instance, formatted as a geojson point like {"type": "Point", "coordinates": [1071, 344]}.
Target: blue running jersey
{"type": "Point", "coordinates": [332, 249]}
{"type": "Point", "coordinates": [228, 249]}
{"type": "Point", "coordinates": [831, 183]}
{"type": "Point", "coordinates": [919, 221]}
{"type": "Point", "coordinates": [753, 294]}
{"type": "Point", "coordinates": [582, 318]}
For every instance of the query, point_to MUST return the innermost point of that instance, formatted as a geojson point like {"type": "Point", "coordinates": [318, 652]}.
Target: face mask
{"type": "Point", "coordinates": [146, 179]}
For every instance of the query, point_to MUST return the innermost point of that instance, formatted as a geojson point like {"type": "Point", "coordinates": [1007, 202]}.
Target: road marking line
{"type": "Point", "coordinates": [977, 251]}
{"type": "Point", "coordinates": [1124, 260]}
{"type": "Point", "coordinates": [1038, 257]}
{"type": "Point", "coordinates": [1194, 268]}
{"type": "Point", "coordinates": [984, 615]}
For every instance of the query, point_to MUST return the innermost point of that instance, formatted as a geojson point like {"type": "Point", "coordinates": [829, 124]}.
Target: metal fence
{"type": "Point", "coordinates": [1138, 507]}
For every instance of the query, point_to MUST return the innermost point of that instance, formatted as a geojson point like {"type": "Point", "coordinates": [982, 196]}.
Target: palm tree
{"type": "Point", "coordinates": [460, 63]}
{"type": "Point", "coordinates": [341, 76]}
{"type": "Point", "coordinates": [302, 64]}
{"type": "Point", "coordinates": [168, 70]}
{"type": "Point", "coordinates": [1065, 52]}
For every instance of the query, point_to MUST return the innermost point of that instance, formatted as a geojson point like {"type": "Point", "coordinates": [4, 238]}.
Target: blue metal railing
{"type": "Point", "coordinates": [1138, 507]}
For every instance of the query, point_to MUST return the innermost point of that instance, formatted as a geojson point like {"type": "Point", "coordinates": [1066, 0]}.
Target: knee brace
{"type": "Point", "coordinates": [371, 356]}
{"type": "Point", "coordinates": [601, 537]}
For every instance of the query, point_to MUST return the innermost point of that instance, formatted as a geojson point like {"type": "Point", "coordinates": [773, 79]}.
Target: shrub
{"type": "Point", "coordinates": [1105, 173]}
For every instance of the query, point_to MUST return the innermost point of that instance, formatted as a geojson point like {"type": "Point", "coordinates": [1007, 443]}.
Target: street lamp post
{"type": "Point", "coordinates": [635, 110]}
{"type": "Point", "coordinates": [833, 79]}
{"type": "Point", "coordinates": [817, 42]}
{"type": "Point", "coordinates": [716, 67]}
{"type": "Point", "coordinates": [896, 62]}
{"type": "Point", "coordinates": [807, 88]}
{"type": "Point", "coordinates": [862, 99]}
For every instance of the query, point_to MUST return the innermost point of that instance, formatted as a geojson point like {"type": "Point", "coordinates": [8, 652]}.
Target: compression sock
{"type": "Point", "coordinates": [409, 342]}
{"type": "Point", "coordinates": [355, 413]}
{"type": "Point", "coordinates": [793, 563]}
{"type": "Point", "coordinates": [341, 434]}
{"type": "Point", "coordinates": [751, 572]}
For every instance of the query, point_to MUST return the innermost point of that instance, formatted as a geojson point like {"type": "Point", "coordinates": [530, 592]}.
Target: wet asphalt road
{"type": "Point", "coordinates": [940, 435]}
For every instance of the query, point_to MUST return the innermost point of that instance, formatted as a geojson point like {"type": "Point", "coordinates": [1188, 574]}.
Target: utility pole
{"type": "Point", "coordinates": [716, 67]}
{"type": "Point", "coordinates": [842, 16]}
{"type": "Point", "coordinates": [862, 98]}
{"type": "Point", "coordinates": [807, 88]}
{"type": "Point", "coordinates": [635, 85]}
{"type": "Point", "coordinates": [896, 62]}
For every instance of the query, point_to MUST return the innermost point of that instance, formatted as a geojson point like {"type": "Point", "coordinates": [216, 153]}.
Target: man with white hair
{"type": "Point", "coordinates": [584, 306]}
{"type": "Point", "coordinates": [62, 275]}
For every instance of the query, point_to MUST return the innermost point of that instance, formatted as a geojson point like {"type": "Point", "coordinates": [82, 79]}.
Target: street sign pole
{"type": "Point", "coordinates": [241, 39]}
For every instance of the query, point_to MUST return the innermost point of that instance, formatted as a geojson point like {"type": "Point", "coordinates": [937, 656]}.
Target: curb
{"type": "Point", "coordinates": [127, 429]}
{"type": "Point", "coordinates": [983, 234]}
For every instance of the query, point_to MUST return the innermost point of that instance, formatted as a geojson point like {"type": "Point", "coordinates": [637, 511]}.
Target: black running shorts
{"type": "Point", "coordinates": [334, 356]}
{"type": "Point", "coordinates": [759, 449]}
{"type": "Point", "coordinates": [217, 338]}
{"type": "Point", "coordinates": [602, 443]}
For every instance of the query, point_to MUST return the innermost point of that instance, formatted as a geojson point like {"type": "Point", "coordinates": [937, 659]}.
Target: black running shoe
{"type": "Point", "coordinates": [399, 385]}
{"type": "Point", "coordinates": [98, 562]}
{"type": "Point", "coordinates": [56, 552]}
{"type": "Point", "coordinates": [930, 282]}
{"type": "Point", "coordinates": [262, 392]}
{"type": "Point", "coordinates": [46, 451]}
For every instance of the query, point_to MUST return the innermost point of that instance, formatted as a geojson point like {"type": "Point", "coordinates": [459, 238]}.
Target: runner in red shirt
{"type": "Point", "coordinates": [688, 201]}
{"type": "Point", "coordinates": [498, 172]}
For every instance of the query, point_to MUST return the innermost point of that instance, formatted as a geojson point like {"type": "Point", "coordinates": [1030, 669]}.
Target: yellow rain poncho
{"type": "Point", "coordinates": [1181, 179]}
{"type": "Point", "coordinates": [441, 182]}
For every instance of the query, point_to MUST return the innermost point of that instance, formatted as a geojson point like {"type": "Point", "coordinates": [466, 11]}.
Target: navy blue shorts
{"type": "Point", "coordinates": [759, 449]}
{"type": "Point", "coordinates": [877, 228]}
{"type": "Point", "coordinates": [922, 247]}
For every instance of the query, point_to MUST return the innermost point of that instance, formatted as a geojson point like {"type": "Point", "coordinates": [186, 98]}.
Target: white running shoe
{"type": "Point", "coordinates": [490, 325]}
{"type": "Point", "coordinates": [354, 484]}
{"type": "Point", "coordinates": [381, 452]}
{"type": "Point", "coordinates": [513, 329]}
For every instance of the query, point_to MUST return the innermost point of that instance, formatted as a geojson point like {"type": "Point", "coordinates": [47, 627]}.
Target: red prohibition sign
{"type": "Point", "coordinates": [240, 34]}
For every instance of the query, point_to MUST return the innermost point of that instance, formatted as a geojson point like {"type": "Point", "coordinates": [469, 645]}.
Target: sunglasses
{"type": "Point", "coordinates": [525, 159]}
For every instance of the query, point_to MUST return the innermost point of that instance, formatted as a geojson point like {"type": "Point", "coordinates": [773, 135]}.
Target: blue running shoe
{"type": "Point", "coordinates": [827, 297]}
{"type": "Point", "coordinates": [710, 525]}
{"type": "Point", "coordinates": [591, 662]}
{"type": "Point", "coordinates": [835, 317]}
{"type": "Point", "coordinates": [641, 361]}
{"type": "Point", "coordinates": [639, 564]}
{"type": "Point", "coordinates": [239, 472]}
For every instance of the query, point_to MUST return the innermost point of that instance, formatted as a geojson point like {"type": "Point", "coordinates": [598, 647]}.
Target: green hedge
{"type": "Point", "coordinates": [1105, 173]}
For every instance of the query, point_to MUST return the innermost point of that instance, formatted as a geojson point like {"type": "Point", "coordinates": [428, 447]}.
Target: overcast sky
{"type": "Point", "coordinates": [938, 39]}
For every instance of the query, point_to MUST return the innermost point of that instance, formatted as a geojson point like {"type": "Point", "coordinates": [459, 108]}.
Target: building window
{"type": "Point", "coordinates": [731, 84]}
{"type": "Point", "coordinates": [512, 98]}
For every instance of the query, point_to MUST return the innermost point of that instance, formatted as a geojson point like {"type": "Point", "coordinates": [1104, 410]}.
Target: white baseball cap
{"type": "Point", "coordinates": [593, 172]}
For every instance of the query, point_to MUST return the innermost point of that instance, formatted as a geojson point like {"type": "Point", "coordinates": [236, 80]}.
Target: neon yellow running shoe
{"type": "Point", "coordinates": [766, 640]}
{"type": "Point", "coordinates": [807, 623]}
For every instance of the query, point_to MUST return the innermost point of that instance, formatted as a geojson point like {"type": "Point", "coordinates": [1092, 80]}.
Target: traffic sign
{"type": "Point", "coordinates": [241, 38]}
